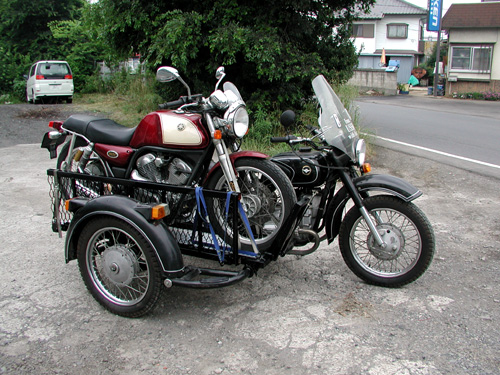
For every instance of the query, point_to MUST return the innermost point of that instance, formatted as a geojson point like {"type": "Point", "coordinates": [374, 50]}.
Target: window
{"type": "Point", "coordinates": [363, 31]}
{"type": "Point", "coordinates": [473, 58]}
{"type": "Point", "coordinates": [397, 31]}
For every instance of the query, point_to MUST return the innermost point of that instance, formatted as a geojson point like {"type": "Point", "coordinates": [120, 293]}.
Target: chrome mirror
{"type": "Point", "coordinates": [167, 74]}
{"type": "Point", "coordinates": [219, 74]}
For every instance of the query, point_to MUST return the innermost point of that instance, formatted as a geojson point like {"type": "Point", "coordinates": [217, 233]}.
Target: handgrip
{"type": "Point", "coordinates": [283, 139]}
{"type": "Point", "coordinates": [172, 104]}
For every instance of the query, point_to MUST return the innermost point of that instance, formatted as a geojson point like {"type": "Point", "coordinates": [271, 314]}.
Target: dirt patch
{"type": "Point", "coordinates": [40, 113]}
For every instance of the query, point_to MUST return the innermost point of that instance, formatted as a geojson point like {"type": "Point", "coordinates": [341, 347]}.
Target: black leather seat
{"type": "Point", "coordinates": [100, 130]}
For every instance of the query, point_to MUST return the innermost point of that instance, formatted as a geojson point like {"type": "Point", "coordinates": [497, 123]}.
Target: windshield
{"type": "Point", "coordinates": [334, 120]}
{"type": "Point", "coordinates": [229, 90]}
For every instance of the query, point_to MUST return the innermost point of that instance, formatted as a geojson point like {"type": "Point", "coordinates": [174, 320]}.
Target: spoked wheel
{"type": "Point", "coordinates": [119, 267]}
{"type": "Point", "coordinates": [405, 230]}
{"type": "Point", "coordinates": [267, 197]}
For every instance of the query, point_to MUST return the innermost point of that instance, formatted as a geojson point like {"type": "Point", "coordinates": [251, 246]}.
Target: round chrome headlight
{"type": "Point", "coordinates": [237, 119]}
{"type": "Point", "coordinates": [361, 152]}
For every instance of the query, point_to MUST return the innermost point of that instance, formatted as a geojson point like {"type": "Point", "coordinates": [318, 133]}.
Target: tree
{"type": "Point", "coordinates": [25, 36]}
{"type": "Point", "coordinates": [271, 49]}
{"type": "Point", "coordinates": [24, 24]}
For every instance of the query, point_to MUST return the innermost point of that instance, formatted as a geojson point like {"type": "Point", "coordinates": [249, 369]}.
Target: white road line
{"type": "Point", "coordinates": [437, 152]}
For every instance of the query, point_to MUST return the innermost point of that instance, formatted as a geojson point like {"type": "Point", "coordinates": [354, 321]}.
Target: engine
{"type": "Point", "coordinates": [156, 168]}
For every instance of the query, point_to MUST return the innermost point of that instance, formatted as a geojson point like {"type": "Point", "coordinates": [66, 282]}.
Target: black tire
{"type": "Point", "coordinates": [267, 198]}
{"type": "Point", "coordinates": [119, 267]}
{"type": "Point", "coordinates": [404, 226]}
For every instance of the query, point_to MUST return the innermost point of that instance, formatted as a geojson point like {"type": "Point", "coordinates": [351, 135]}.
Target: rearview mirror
{"type": "Point", "coordinates": [287, 118]}
{"type": "Point", "coordinates": [167, 74]}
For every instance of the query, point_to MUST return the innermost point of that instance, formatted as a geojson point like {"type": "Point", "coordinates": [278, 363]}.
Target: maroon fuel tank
{"type": "Point", "coordinates": [171, 130]}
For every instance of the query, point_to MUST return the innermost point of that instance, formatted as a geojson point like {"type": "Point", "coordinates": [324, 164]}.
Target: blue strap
{"type": "Point", "coordinates": [247, 224]}
{"type": "Point", "coordinates": [203, 214]}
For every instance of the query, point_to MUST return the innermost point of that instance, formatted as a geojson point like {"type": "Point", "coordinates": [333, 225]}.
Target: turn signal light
{"type": "Point", "coordinates": [366, 168]}
{"type": "Point", "coordinates": [217, 134]}
{"type": "Point", "coordinates": [159, 211]}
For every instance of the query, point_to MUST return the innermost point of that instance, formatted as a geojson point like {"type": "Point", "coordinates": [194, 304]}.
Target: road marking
{"type": "Point", "coordinates": [437, 152]}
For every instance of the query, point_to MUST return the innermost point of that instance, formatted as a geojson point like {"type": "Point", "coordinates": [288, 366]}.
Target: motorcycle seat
{"type": "Point", "coordinates": [100, 130]}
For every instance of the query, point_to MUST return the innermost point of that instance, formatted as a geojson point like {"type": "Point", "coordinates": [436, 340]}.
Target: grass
{"type": "Point", "coordinates": [133, 97]}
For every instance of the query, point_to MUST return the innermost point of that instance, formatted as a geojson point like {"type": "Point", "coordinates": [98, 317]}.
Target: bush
{"type": "Point", "coordinates": [487, 95]}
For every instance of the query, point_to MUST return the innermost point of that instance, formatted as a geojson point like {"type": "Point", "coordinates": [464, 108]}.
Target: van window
{"type": "Point", "coordinates": [53, 70]}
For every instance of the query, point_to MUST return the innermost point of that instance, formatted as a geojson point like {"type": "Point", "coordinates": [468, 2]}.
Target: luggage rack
{"type": "Point", "coordinates": [193, 235]}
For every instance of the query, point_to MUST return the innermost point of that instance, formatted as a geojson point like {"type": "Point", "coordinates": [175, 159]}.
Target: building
{"type": "Point", "coordinates": [473, 47]}
{"type": "Point", "coordinates": [396, 28]}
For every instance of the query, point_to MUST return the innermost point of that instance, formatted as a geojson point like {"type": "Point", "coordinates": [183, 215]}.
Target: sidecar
{"type": "Point", "coordinates": [130, 237]}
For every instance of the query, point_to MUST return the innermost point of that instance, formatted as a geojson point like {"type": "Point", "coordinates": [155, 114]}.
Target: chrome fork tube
{"type": "Point", "coordinates": [223, 155]}
{"type": "Point", "coordinates": [358, 201]}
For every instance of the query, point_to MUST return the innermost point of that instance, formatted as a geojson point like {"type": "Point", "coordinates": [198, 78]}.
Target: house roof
{"type": "Point", "coordinates": [472, 15]}
{"type": "Point", "coordinates": [392, 7]}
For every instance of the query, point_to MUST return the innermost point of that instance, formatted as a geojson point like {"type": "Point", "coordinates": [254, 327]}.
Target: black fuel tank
{"type": "Point", "coordinates": [303, 167]}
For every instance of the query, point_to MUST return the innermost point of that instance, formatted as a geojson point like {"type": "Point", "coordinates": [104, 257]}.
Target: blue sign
{"type": "Point", "coordinates": [434, 15]}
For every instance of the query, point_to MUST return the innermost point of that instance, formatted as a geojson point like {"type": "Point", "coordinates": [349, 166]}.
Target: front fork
{"type": "Point", "coordinates": [223, 154]}
{"type": "Point", "coordinates": [358, 201]}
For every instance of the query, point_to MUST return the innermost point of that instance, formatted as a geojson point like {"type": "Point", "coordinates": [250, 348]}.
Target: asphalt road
{"type": "Point", "coordinates": [466, 129]}
{"type": "Point", "coordinates": [297, 316]}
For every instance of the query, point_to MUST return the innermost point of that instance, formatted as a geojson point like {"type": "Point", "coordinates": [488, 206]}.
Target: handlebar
{"type": "Point", "coordinates": [286, 139]}
{"type": "Point", "coordinates": [174, 104]}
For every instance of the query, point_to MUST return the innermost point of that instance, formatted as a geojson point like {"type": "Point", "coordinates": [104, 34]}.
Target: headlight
{"type": "Point", "coordinates": [360, 152]}
{"type": "Point", "coordinates": [237, 119]}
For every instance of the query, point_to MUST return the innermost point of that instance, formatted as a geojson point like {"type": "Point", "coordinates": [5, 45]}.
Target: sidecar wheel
{"type": "Point", "coordinates": [119, 267]}
{"type": "Point", "coordinates": [406, 230]}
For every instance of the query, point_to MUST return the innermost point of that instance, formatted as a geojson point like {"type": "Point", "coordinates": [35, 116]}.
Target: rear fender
{"type": "Point", "coordinates": [368, 183]}
{"type": "Point", "coordinates": [134, 213]}
{"type": "Point", "coordinates": [238, 155]}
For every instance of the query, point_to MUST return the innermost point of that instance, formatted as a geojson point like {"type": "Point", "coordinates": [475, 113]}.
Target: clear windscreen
{"type": "Point", "coordinates": [230, 89]}
{"type": "Point", "coordinates": [334, 120]}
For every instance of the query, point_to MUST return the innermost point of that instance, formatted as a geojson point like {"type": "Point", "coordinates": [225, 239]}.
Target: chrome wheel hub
{"type": "Point", "coordinates": [119, 264]}
{"type": "Point", "coordinates": [393, 242]}
{"type": "Point", "coordinates": [251, 204]}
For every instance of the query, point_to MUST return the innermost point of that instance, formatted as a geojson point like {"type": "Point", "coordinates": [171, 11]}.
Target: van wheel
{"type": "Point", "coordinates": [34, 100]}
{"type": "Point", "coordinates": [69, 100]}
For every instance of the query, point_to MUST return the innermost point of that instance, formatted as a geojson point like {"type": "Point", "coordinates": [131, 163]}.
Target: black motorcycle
{"type": "Point", "coordinates": [384, 238]}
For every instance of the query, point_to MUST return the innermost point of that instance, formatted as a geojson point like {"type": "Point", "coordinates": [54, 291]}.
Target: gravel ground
{"type": "Point", "coordinates": [297, 316]}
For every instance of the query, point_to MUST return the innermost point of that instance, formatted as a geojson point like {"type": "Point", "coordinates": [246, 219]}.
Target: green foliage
{"type": "Point", "coordinates": [271, 49]}
{"type": "Point", "coordinates": [487, 95]}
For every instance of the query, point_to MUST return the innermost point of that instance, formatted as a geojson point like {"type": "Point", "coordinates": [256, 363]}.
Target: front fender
{"type": "Point", "coordinates": [368, 183]}
{"type": "Point", "coordinates": [237, 155]}
{"type": "Point", "coordinates": [165, 246]}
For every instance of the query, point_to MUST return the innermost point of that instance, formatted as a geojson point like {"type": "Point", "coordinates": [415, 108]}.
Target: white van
{"type": "Point", "coordinates": [49, 79]}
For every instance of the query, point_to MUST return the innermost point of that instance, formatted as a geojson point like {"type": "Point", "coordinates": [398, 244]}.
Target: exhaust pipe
{"type": "Point", "coordinates": [315, 239]}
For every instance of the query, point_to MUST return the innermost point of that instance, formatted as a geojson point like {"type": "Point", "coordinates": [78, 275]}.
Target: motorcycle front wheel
{"type": "Point", "coordinates": [119, 267]}
{"type": "Point", "coordinates": [267, 197]}
{"type": "Point", "coordinates": [408, 236]}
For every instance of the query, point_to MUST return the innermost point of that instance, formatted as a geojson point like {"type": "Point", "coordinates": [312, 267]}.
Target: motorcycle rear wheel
{"type": "Point", "coordinates": [267, 199]}
{"type": "Point", "coordinates": [405, 229]}
{"type": "Point", "coordinates": [119, 267]}
{"type": "Point", "coordinates": [93, 167]}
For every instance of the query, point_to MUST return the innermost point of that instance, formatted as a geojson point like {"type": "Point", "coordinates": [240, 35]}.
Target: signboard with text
{"type": "Point", "coordinates": [434, 15]}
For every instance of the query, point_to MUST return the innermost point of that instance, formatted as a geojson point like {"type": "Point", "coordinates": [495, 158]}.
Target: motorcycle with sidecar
{"type": "Point", "coordinates": [130, 235]}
